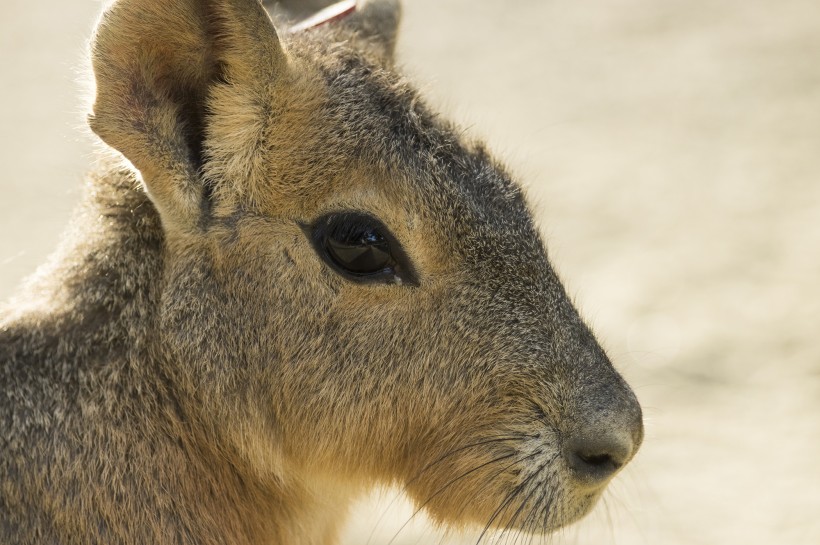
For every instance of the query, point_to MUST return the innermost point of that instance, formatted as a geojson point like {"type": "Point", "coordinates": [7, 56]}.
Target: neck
{"type": "Point", "coordinates": [90, 399]}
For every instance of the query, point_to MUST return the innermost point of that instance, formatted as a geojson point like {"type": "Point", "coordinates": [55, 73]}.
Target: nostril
{"type": "Point", "coordinates": [595, 459]}
{"type": "Point", "coordinates": [599, 460]}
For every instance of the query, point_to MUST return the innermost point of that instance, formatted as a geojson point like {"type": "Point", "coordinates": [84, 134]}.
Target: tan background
{"type": "Point", "coordinates": [673, 150]}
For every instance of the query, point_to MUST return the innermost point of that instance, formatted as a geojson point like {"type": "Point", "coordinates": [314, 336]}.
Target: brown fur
{"type": "Point", "coordinates": [186, 369]}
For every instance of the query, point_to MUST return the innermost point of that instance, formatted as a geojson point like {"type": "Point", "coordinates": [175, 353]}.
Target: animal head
{"type": "Point", "coordinates": [352, 293]}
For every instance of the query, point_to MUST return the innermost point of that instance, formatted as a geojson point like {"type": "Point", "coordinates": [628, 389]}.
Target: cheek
{"type": "Point", "coordinates": [274, 272]}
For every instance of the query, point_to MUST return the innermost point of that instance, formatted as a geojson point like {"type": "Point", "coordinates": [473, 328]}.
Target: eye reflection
{"type": "Point", "coordinates": [361, 248]}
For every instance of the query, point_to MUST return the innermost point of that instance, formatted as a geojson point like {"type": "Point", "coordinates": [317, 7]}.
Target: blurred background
{"type": "Point", "coordinates": [672, 150]}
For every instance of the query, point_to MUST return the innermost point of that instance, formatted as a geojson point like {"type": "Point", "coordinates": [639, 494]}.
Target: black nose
{"type": "Point", "coordinates": [595, 457]}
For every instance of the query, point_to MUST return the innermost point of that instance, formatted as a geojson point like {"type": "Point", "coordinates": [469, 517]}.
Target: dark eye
{"type": "Point", "coordinates": [360, 248]}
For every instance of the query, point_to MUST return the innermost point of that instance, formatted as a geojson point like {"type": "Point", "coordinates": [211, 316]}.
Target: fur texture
{"type": "Point", "coordinates": [187, 369]}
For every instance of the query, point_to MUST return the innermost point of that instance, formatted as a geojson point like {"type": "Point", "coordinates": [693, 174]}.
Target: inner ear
{"type": "Point", "coordinates": [191, 117]}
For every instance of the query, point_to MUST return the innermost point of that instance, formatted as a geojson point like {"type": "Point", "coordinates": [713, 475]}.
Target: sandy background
{"type": "Point", "coordinates": [673, 148]}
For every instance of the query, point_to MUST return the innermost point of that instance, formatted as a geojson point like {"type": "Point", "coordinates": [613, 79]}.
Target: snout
{"type": "Point", "coordinates": [595, 457]}
{"type": "Point", "coordinates": [604, 438]}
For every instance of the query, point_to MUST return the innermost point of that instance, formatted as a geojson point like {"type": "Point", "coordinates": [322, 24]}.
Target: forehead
{"type": "Point", "coordinates": [366, 141]}
{"type": "Point", "coordinates": [423, 158]}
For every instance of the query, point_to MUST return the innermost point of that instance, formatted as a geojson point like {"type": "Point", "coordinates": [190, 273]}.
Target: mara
{"type": "Point", "coordinates": [289, 282]}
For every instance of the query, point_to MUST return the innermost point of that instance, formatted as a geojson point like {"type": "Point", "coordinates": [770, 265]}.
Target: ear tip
{"type": "Point", "coordinates": [385, 10]}
{"type": "Point", "coordinates": [379, 19]}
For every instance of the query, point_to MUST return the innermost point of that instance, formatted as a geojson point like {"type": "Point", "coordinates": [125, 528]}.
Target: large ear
{"type": "Point", "coordinates": [155, 62]}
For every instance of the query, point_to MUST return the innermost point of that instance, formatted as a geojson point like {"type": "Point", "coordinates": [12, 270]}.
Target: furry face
{"type": "Point", "coordinates": [469, 386]}
{"type": "Point", "coordinates": [345, 292]}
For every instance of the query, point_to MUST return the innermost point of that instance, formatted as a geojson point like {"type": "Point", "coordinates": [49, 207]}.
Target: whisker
{"type": "Point", "coordinates": [518, 511]}
{"type": "Point", "coordinates": [445, 487]}
{"type": "Point", "coordinates": [546, 508]}
{"type": "Point", "coordinates": [533, 513]}
{"type": "Point", "coordinates": [510, 497]}
{"type": "Point", "coordinates": [465, 447]}
{"type": "Point", "coordinates": [548, 498]}
{"type": "Point", "coordinates": [489, 481]}
{"type": "Point", "coordinates": [440, 459]}
{"type": "Point", "coordinates": [609, 521]}
{"type": "Point", "coordinates": [529, 521]}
